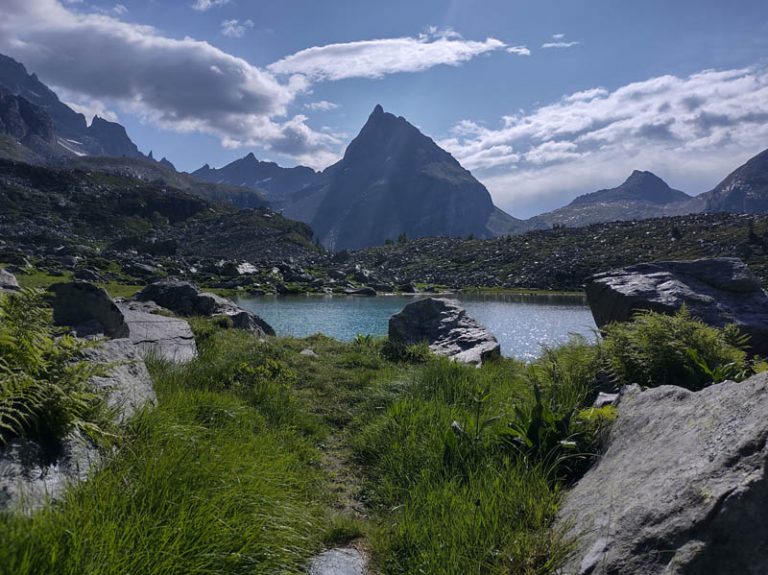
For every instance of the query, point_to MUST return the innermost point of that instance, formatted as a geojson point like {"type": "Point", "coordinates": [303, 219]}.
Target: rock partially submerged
{"type": "Point", "coordinates": [31, 476]}
{"type": "Point", "coordinates": [719, 291]}
{"type": "Point", "coordinates": [184, 298]}
{"type": "Point", "coordinates": [446, 327]}
{"type": "Point", "coordinates": [681, 487]}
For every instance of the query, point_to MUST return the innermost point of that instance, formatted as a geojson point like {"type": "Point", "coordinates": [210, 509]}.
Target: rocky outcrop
{"type": "Point", "coordinates": [31, 476]}
{"type": "Point", "coordinates": [681, 488]}
{"type": "Point", "coordinates": [447, 329]}
{"type": "Point", "coordinates": [87, 308]}
{"type": "Point", "coordinates": [183, 298]}
{"type": "Point", "coordinates": [8, 281]}
{"type": "Point", "coordinates": [719, 291]}
{"type": "Point", "coordinates": [127, 385]}
{"type": "Point", "coordinates": [158, 336]}
{"type": "Point", "coordinates": [90, 311]}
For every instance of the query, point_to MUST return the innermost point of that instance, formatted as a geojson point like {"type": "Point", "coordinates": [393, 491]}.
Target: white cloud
{"type": "Point", "coordinates": [322, 106]}
{"type": "Point", "coordinates": [203, 5]}
{"type": "Point", "coordinates": [692, 130]}
{"type": "Point", "coordinates": [120, 9]}
{"type": "Point", "coordinates": [376, 58]}
{"type": "Point", "coordinates": [184, 85]}
{"type": "Point", "coordinates": [519, 50]}
{"type": "Point", "coordinates": [559, 44]}
{"type": "Point", "coordinates": [235, 28]}
{"type": "Point", "coordinates": [559, 41]}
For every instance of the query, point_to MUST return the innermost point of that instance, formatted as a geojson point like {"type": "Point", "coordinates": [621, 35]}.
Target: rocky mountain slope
{"type": "Point", "coordinates": [745, 190]}
{"type": "Point", "coordinates": [642, 195]}
{"type": "Point", "coordinates": [44, 211]}
{"type": "Point", "coordinates": [277, 184]}
{"type": "Point", "coordinates": [73, 135]}
{"type": "Point", "coordinates": [562, 258]}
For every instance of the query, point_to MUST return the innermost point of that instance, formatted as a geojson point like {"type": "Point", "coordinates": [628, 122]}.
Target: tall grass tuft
{"type": "Point", "coordinates": [220, 478]}
{"type": "Point", "coordinates": [456, 487]}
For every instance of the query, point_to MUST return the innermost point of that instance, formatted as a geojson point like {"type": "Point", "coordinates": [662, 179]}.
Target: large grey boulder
{"type": "Point", "coordinates": [8, 281]}
{"type": "Point", "coordinates": [81, 303]}
{"type": "Point", "coordinates": [166, 338]}
{"type": "Point", "coordinates": [30, 476]}
{"type": "Point", "coordinates": [447, 329]}
{"type": "Point", "coordinates": [681, 488]}
{"type": "Point", "coordinates": [719, 291]}
{"type": "Point", "coordinates": [127, 383]}
{"type": "Point", "coordinates": [184, 298]}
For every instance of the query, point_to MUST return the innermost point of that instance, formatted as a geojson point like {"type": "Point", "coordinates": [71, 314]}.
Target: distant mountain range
{"type": "Point", "coordinates": [392, 181]}
{"type": "Point", "coordinates": [72, 134]}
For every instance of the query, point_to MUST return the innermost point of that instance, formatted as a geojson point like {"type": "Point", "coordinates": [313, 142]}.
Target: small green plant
{"type": "Point", "coordinates": [415, 353]}
{"type": "Point", "coordinates": [44, 385]}
{"type": "Point", "coordinates": [656, 349]}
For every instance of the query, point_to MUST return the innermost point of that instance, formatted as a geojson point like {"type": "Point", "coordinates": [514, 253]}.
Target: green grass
{"type": "Point", "coordinates": [221, 477]}
{"type": "Point", "coordinates": [257, 457]}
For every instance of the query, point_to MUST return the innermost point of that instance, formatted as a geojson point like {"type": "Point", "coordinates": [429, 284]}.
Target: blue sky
{"type": "Point", "coordinates": [542, 100]}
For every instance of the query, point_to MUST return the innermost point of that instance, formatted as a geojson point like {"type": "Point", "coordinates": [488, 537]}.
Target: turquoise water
{"type": "Point", "coordinates": [521, 323]}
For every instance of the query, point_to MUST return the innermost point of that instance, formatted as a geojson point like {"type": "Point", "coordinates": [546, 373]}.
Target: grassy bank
{"type": "Point", "coordinates": [260, 454]}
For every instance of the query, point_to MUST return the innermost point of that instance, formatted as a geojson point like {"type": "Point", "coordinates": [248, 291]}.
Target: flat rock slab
{"type": "Point", "coordinates": [167, 338]}
{"type": "Point", "coordinates": [718, 291]}
{"type": "Point", "coordinates": [342, 561]}
{"type": "Point", "coordinates": [446, 327]}
{"type": "Point", "coordinates": [681, 488]}
{"type": "Point", "coordinates": [127, 382]}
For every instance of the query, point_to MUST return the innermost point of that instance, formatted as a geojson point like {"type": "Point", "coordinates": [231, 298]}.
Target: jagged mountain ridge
{"type": "Point", "coordinates": [275, 182]}
{"type": "Point", "coordinates": [73, 135]}
{"type": "Point", "coordinates": [392, 180]}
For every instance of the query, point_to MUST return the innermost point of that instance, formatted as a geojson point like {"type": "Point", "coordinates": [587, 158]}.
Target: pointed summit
{"type": "Point", "coordinates": [396, 180]}
{"type": "Point", "coordinates": [638, 187]}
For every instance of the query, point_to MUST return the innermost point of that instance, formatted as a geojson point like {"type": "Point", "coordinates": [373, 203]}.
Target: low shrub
{"type": "Point", "coordinates": [44, 385]}
{"type": "Point", "coordinates": [656, 349]}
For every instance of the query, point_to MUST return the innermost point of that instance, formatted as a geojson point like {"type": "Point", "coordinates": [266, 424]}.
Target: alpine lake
{"type": "Point", "coordinates": [523, 323]}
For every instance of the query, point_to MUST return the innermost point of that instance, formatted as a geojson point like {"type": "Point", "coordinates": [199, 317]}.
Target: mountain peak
{"type": "Point", "coordinates": [377, 111]}
{"type": "Point", "coordinates": [640, 186]}
{"type": "Point", "coordinates": [250, 156]}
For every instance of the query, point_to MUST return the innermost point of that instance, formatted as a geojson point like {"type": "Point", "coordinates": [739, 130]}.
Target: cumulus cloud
{"type": "Point", "coordinates": [204, 5]}
{"type": "Point", "coordinates": [235, 28]}
{"type": "Point", "coordinates": [180, 84]}
{"type": "Point", "coordinates": [691, 130]}
{"type": "Point", "coordinates": [322, 106]}
{"type": "Point", "coordinates": [519, 50]}
{"type": "Point", "coordinates": [376, 58]}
